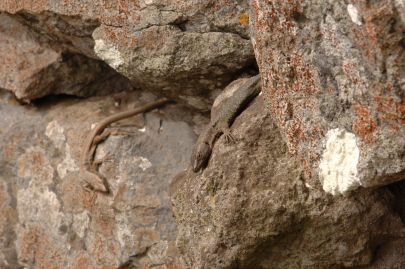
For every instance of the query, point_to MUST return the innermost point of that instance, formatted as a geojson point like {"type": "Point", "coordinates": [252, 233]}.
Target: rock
{"type": "Point", "coordinates": [187, 50]}
{"type": "Point", "coordinates": [33, 66]}
{"type": "Point", "coordinates": [167, 59]}
{"type": "Point", "coordinates": [48, 220]}
{"type": "Point", "coordinates": [253, 208]}
{"type": "Point", "coordinates": [333, 73]}
{"type": "Point", "coordinates": [331, 120]}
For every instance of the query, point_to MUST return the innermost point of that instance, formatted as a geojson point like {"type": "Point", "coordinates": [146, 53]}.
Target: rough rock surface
{"type": "Point", "coordinates": [334, 75]}
{"type": "Point", "coordinates": [186, 49]}
{"type": "Point", "coordinates": [47, 220]}
{"type": "Point", "coordinates": [33, 65]}
{"type": "Point", "coordinates": [253, 208]}
{"type": "Point", "coordinates": [331, 119]}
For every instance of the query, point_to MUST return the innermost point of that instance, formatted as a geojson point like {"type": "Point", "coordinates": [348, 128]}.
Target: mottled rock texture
{"type": "Point", "coordinates": [34, 65]}
{"type": "Point", "coordinates": [48, 220]}
{"type": "Point", "coordinates": [187, 50]}
{"type": "Point", "coordinates": [253, 208]}
{"type": "Point", "coordinates": [331, 119]}
{"type": "Point", "coordinates": [334, 74]}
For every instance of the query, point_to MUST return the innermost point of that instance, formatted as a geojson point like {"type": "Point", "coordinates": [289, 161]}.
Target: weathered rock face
{"type": "Point", "coordinates": [331, 119]}
{"type": "Point", "coordinates": [252, 208]}
{"type": "Point", "coordinates": [34, 65]}
{"type": "Point", "coordinates": [334, 76]}
{"type": "Point", "coordinates": [48, 220]}
{"type": "Point", "coordinates": [187, 50]}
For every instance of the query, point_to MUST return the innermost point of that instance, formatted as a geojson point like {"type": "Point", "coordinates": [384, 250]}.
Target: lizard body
{"type": "Point", "coordinates": [94, 180]}
{"type": "Point", "coordinates": [221, 122]}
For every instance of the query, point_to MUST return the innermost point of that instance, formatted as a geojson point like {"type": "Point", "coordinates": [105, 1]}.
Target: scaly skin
{"type": "Point", "coordinates": [221, 123]}
{"type": "Point", "coordinates": [89, 171]}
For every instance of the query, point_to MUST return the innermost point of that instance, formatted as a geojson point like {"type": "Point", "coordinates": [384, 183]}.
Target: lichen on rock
{"type": "Point", "coordinates": [314, 174]}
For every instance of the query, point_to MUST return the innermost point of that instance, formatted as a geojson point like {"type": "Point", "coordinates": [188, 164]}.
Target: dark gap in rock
{"type": "Point", "coordinates": [251, 69]}
{"type": "Point", "coordinates": [402, 41]}
{"type": "Point", "coordinates": [83, 76]}
{"type": "Point", "coordinates": [74, 69]}
{"type": "Point", "coordinates": [53, 99]}
{"type": "Point", "coordinates": [392, 25]}
{"type": "Point", "coordinates": [28, 17]}
{"type": "Point", "coordinates": [182, 26]}
{"type": "Point", "coordinates": [398, 191]}
{"type": "Point", "coordinates": [9, 97]}
{"type": "Point", "coordinates": [299, 17]}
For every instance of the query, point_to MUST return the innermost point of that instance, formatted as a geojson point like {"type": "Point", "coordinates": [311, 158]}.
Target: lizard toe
{"type": "Point", "coordinates": [229, 138]}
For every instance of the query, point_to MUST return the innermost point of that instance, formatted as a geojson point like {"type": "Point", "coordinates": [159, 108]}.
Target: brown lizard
{"type": "Point", "coordinates": [221, 122]}
{"type": "Point", "coordinates": [88, 168]}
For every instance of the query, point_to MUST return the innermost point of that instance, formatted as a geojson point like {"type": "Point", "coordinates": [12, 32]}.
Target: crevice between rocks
{"type": "Point", "coordinates": [73, 70]}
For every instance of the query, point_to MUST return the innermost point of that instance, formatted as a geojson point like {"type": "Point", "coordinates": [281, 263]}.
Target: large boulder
{"type": "Point", "coordinates": [33, 65]}
{"type": "Point", "coordinates": [187, 50]}
{"type": "Point", "coordinates": [252, 207]}
{"type": "Point", "coordinates": [49, 220]}
{"type": "Point", "coordinates": [334, 76]}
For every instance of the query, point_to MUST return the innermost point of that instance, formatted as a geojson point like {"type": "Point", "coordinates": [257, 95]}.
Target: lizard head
{"type": "Point", "coordinates": [200, 157]}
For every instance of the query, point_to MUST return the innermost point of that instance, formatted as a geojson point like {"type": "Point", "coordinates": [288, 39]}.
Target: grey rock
{"type": "Point", "coordinates": [252, 207]}
{"type": "Point", "coordinates": [186, 66]}
{"type": "Point", "coordinates": [333, 73]}
{"type": "Point", "coordinates": [186, 50]}
{"type": "Point", "coordinates": [34, 65]}
{"type": "Point", "coordinates": [47, 218]}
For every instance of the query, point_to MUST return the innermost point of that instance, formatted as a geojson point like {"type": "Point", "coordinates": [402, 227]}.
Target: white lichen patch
{"type": "Point", "coordinates": [40, 217]}
{"type": "Point", "coordinates": [55, 133]}
{"type": "Point", "coordinates": [146, 3]}
{"type": "Point", "coordinates": [142, 162]}
{"type": "Point", "coordinates": [135, 161]}
{"type": "Point", "coordinates": [126, 237]}
{"type": "Point", "coordinates": [67, 165]}
{"type": "Point", "coordinates": [108, 53]}
{"type": "Point", "coordinates": [39, 205]}
{"type": "Point", "coordinates": [338, 165]}
{"type": "Point", "coordinates": [354, 14]}
{"type": "Point", "coordinates": [80, 223]}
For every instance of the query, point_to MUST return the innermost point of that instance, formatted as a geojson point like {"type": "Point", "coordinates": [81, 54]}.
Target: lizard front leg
{"type": "Point", "coordinates": [226, 131]}
{"type": "Point", "coordinates": [229, 138]}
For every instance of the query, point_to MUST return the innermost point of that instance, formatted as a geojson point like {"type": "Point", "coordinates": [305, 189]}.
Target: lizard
{"type": "Point", "coordinates": [88, 168]}
{"type": "Point", "coordinates": [221, 122]}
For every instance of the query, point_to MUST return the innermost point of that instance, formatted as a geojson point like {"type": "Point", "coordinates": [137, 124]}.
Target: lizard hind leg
{"type": "Point", "coordinates": [229, 138]}
{"type": "Point", "coordinates": [95, 182]}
